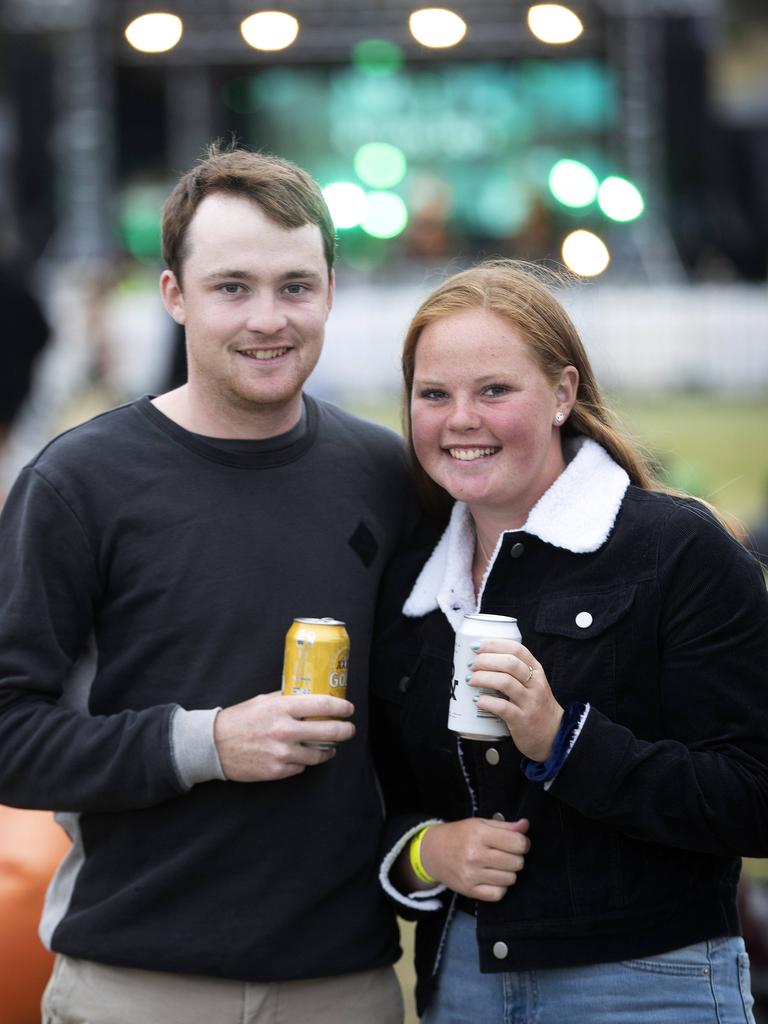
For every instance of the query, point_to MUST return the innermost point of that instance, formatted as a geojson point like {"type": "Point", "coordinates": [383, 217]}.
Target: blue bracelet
{"type": "Point", "coordinates": [543, 771]}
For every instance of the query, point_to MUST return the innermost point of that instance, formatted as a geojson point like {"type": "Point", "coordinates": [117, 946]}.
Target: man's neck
{"type": "Point", "coordinates": [253, 423]}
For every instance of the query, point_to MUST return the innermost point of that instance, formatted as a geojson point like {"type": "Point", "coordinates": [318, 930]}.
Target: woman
{"type": "Point", "coordinates": [636, 704]}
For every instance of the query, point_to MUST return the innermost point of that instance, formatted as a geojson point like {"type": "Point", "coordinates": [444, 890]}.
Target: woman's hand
{"type": "Point", "coordinates": [477, 857]}
{"type": "Point", "coordinates": [525, 701]}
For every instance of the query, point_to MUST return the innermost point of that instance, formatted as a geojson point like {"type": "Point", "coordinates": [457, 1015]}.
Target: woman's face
{"type": "Point", "coordinates": [483, 414]}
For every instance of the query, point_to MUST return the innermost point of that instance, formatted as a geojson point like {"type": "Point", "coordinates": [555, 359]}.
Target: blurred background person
{"type": "Point", "coordinates": [24, 334]}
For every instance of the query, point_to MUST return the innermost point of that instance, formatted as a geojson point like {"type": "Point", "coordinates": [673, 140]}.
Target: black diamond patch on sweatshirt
{"type": "Point", "coordinates": [364, 544]}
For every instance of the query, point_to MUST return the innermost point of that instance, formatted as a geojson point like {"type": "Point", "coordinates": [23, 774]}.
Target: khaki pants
{"type": "Point", "coordinates": [84, 992]}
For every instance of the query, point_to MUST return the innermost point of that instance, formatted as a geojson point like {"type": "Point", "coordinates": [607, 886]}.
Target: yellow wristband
{"type": "Point", "coordinates": [414, 854]}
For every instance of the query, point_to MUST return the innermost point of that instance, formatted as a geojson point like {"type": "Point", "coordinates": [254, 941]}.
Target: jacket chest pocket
{"type": "Point", "coordinates": [584, 633]}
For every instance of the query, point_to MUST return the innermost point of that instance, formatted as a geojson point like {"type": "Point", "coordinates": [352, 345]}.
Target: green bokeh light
{"type": "Point", "coordinates": [387, 215]}
{"type": "Point", "coordinates": [619, 199]}
{"type": "Point", "coordinates": [380, 165]}
{"type": "Point", "coordinates": [572, 183]}
{"type": "Point", "coordinates": [139, 227]}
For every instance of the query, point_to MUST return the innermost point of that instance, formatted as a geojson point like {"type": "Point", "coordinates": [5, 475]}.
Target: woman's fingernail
{"type": "Point", "coordinates": [467, 677]}
{"type": "Point", "coordinates": [476, 698]}
{"type": "Point", "coordinates": [475, 647]}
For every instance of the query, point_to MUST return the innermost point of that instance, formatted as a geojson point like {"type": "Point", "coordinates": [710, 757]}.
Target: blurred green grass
{"type": "Point", "coordinates": [710, 446]}
{"type": "Point", "coordinates": [713, 446]}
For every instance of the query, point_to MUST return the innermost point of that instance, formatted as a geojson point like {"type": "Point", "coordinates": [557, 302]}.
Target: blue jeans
{"type": "Point", "coordinates": [707, 983]}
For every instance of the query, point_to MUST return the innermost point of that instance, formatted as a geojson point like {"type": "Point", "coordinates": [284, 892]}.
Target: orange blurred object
{"type": "Point", "coordinates": [31, 847]}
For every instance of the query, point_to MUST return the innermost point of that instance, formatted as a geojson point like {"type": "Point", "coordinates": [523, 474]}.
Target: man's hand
{"type": "Point", "coordinates": [263, 738]}
{"type": "Point", "coordinates": [477, 857]}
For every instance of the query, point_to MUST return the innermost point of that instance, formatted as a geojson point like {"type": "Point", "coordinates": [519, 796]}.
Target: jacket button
{"type": "Point", "coordinates": [492, 756]}
{"type": "Point", "coordinates": [500, 950]}
{"type": "Point", "coordinates": [516, 550]}
{"type": "Point", "coordinates": [405, 684]}
{"type": "Point", "coordinates": [584, 620]}
{"type": "Point", "coordinates": [498, 816]}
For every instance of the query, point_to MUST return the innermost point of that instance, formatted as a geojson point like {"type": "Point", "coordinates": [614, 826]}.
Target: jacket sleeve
{"type": "Point", "coordinates": [702, 783]}
{"type": "Point", "coordinates": [394, 660]}
{"type": "Point", "coordinates": [53, 755]}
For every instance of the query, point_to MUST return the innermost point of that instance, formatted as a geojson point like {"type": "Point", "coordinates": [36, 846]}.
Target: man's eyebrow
{"type": "Point", "coordinates": [246, 275]}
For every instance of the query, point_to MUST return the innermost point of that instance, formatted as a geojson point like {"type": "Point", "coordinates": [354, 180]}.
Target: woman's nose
{"type": "Point", "coordinates": [463, 415]}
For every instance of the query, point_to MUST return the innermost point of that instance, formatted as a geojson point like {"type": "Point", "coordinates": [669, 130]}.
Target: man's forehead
{"type": "Point", "coordinates": [233, 233]}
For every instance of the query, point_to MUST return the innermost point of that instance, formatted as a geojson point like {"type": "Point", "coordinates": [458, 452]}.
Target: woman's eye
{"type": "Point", "coordinates": [496, 390]}
{"type": "Point", "coordinates": [432, 394]}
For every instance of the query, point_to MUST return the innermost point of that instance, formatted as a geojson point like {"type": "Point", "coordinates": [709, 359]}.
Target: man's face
{"type": "Point", "coordinates": [254, 301]}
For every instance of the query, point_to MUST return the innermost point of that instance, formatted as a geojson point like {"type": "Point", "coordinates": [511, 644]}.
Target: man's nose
{"type": "Point", "coordinates": [265, 315]}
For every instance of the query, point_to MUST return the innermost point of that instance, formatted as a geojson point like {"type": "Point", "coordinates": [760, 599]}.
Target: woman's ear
{"type": "Point", "coordinates": [565, 393]}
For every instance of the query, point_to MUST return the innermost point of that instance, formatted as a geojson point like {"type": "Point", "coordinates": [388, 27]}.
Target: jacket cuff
{"type": "Point", "coordinates": [193, 750]}
{"type": "Point", "coordinates": [422, 899]}
{"type": "Point", "coordinates": [571, 725]}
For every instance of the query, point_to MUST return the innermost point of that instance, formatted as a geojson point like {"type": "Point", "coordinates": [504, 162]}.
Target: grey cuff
{"type": "Point", "coordinates": [193, 749]}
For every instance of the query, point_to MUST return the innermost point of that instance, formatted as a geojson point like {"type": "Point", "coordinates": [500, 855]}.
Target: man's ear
{"type": "Point", "coordinates": [172, 296]}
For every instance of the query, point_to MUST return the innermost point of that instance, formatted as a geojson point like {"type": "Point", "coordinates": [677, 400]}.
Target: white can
{"type": "Point", "coordinates": [464, 716]}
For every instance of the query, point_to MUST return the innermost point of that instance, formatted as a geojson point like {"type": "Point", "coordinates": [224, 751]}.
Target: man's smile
{"type": "Point", "coordinates": [264, 354]}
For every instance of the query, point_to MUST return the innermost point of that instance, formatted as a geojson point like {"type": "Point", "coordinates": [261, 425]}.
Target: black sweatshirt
{"type": "Point", "coordinates": [147, 576]}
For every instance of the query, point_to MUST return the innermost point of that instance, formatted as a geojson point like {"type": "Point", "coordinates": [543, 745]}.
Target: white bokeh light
{"type": "Point", "coordinates": [553, 23]}
{"type": "Point", "coordinates": [155, 32]}
{"type": "Point", "coordinates": [437, 27]}
{"type": "Point", "coordinates": [585, 254]}
{"type": "Point", "coordinates": [269, 30]}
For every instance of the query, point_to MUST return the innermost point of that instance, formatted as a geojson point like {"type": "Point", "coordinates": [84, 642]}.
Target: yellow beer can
{"type": "Point", "coordinates": [316, 660]}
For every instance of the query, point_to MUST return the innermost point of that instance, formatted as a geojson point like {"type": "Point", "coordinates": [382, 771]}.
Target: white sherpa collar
{"type": "Point", "coordinates": [576, 513]}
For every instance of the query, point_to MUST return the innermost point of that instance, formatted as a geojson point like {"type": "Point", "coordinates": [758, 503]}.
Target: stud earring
{"type": "Point", "coordinates": [559, 417]}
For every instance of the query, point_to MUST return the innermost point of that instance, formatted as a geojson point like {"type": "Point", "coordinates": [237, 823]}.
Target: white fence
{"type": "Point", "coordinates": [708, 337]}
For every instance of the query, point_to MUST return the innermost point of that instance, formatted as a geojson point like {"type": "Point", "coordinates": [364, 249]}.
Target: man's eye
{"type": "Point", "coordinates": [296, 289]}
{"type": "Point", "coordinates": [231, 289]}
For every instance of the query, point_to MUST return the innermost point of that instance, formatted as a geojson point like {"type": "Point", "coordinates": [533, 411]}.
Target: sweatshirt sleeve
{"type": "Point", "coordinates": [53, 755]}
{"type": "Point", "coordinates": [702, 784]}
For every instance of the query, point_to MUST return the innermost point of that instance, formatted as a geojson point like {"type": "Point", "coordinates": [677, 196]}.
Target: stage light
{"type": "Point", "coordinates": [585, 254]}
{"type": "Point", "coordinates": [347, 203]}
{"type": "Point", "coordinates": [387, 215]}
{"type": "Point", "coordinates": [572, 183]}
{"type": "Point", "coordinates": [154, 33]}
{"type": "Point", "coordinates": [437, 27]}
{"type": "Point", "coordinates": [553, 23]}
{"type": "Point", "coordinates": [619, 199]}
{"type": "Point", "coordinates": [269, 30]}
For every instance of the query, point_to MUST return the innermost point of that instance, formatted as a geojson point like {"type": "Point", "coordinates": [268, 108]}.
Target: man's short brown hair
{"type": "Point", "coordinates": [285, 192]}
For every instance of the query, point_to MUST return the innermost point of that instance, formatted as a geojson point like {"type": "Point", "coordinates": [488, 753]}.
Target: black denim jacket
{"type": "Point", "coordinates": [635, 846]}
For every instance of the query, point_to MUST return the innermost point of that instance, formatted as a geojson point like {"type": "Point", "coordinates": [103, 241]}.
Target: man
{"type": "Point", "coordinates": [221, 869]}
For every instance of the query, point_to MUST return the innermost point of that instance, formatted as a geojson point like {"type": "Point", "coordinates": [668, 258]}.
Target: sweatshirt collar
{"type": "Point", "coordinates": [577, 513]}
